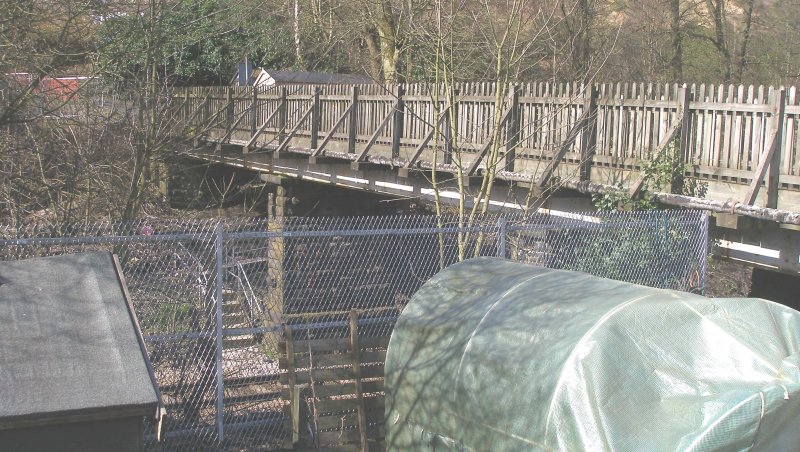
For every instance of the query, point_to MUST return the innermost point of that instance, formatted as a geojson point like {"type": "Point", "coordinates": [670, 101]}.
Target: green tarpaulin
{"type": "Point", "coordinates": [496, 355]}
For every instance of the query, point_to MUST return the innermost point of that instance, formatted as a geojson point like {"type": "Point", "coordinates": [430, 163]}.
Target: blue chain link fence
{"type": "Point", "coordinates": [212, 296]}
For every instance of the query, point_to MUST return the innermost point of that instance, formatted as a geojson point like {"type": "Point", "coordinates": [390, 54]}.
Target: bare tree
{"type": "Point", "coordinates": [456, 40]}
{"type": "Point", "coordinates": [676, 32]}
{"type": "Point", "coordinates": [732, 51]}
{"type": "Point", "coordinates": [77, 152]}
{"type": "Point", "coordinates": [39, 41]}
{"type": "Point", "coordinates": [51, 167]}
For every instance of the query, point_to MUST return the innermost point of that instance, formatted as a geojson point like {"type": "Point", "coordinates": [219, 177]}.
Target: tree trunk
{"type": "Point", "coordinates": [298, 52]}
{"type": "Point", "coordinates": [387, 38]}
{"type": "Point", "coordinates": [741, 54]}
{"type": "Point", "coordinates": [374, 53]}
{"type": "Point", "coordinates": [577, 23]}
{"type": "Point", "coordinates": [677, 40]}
{"type": "Point", "coordinates": [717, 11]}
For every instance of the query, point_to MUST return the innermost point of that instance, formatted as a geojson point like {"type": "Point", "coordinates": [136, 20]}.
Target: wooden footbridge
{"type": "Point", "coordinates": [734, 147]}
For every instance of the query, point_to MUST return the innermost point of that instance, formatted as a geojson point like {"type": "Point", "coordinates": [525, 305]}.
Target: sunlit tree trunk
{"type": "Point", "coordinates": [298, 51]}
{"type": "Point", "coordinates": [741, 54]}
{"type": "Point", "coordinates": [677, 40]}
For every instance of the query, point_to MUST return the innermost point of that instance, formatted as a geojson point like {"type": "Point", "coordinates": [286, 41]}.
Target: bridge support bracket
{"type": "Point", "coordinates": [470, 181]}
{"type": "Point", "coordinates": [364, 166]}
{"type": "Point", "coordinates": [289, 154]}
{"type": "Point", "coordinates": [320, 159]}
{"type": "Point", "coordinates": [730, 221]}
{"type": "Point", "coordinates": [534, 187]}
{"type": "Point", "coordinates": [227, 149]}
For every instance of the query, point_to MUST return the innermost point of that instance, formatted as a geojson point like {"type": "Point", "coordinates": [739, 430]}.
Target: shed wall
{"type": "Point", "coordinates": [122, 435]}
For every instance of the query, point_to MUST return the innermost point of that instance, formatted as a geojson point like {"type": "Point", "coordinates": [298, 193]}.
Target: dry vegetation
{"type": "Point", "coordinates": [728, 279]}
{"type": "Point", "coordinates": [68, 156]}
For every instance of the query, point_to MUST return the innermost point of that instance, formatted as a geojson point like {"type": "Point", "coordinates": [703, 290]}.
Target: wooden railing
{"type": "Point", "coordinates": [736, 134]}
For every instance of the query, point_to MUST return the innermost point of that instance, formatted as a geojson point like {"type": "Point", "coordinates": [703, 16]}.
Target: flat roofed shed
{"type": "Point", "coordinates": [264, 77]}
{"type": "Point", "coordinates": [70, 350]}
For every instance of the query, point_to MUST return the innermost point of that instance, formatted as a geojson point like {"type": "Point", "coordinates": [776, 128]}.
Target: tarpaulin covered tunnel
{"type": "Point", "coordinates": [496, 355]}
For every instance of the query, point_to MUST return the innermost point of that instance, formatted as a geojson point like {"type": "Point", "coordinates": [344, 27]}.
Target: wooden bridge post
{"type": "Point", "coordinates": [276, 253]}
{"type": "Point", "coordinates": [353, 122]}
{"type": "Point", "coordinates": [769, 162]}
{"type": "Point", "coordinates": [682, 155]}
{"type": "Point", "coordinates": [229, 108]}
{"type": "Point", "coordinates": [315, 118]}
{"type": "Point", "coordinates": [448, 120]}
{"type": "Point", "coordinates": [253, 112]}
{"type": "Point", "coordinates": [355, 347]}
{"type": "Point", "coordinates": [294, 391]}
{"type": "Point", "coordinates": [513, 129]}
{"type": "Point", "coordinates": [186, 107]}
{"type": "Point", "coordinates": [397, 124]}
{"type": "Point", "coordinates": [205, 112]}
{"type": "Point", "coordinates": [685, 97]}
{"type": "Point", "coordinates": [283, 115]}
{"type": "Point", "coordinates": [778, 122]}
{"type": "Point", "coordinates": [589, 133]}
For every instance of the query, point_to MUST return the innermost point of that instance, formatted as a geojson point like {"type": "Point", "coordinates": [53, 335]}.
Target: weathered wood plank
{"type": "Point", "coordinates": [544, 177]}
{"type": "Point", "coordinates": [362, 415]}
{"type": "Point", "coordinates": [347, 420]}
{"type": "Point", "coordinates": [303, 361]}
{"type": "Point", "coordinates": [418, 151]}
{"type": "Point", "coordinates": [327, 345]}
{"type": "Point", "coordinates": [771, 158]}
{"type": "Point", "coordinates": [363, 154]}
{"type": "Point", "coordinates": [746, 134]}
{"type": "Point", "coordinates": [330, 133]}
{"type": "Point", "coordinates": [351, 404]}
{"type": "Point", "coordinates": [350, 436]}
{"type": "Point", "coordinates": [294, 130]}
{"type": "Point", "coordinates": [306, 376]}
{"type": "Point", "coordinates": [331, 389]}
{"type": "Point", "coordinates": [589, 135]}
{"type": "Point", "coordinates": [294, 393]}
{"type": "Point", "coordinates": [261, 129]}
{"type": "Point", "coordinates": [788, 157]}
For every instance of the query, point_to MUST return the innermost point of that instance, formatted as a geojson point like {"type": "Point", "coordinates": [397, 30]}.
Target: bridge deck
{"type": "Point", "coordinates": [723, 141]}
{"type": "Point", "coordinates": [740, 143]}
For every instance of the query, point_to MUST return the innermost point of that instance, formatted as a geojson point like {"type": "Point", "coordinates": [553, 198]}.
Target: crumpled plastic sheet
{"type": "Point", "coordinates": [496, 355]}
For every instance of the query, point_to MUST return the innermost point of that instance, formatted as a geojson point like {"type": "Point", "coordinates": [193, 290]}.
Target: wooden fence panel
{"type": "Point", "coordinates": [333, 387]}
{"type": "Point", "coordinates": [729, 125]}
{"type": "Point", "coordinates": [789, 164]}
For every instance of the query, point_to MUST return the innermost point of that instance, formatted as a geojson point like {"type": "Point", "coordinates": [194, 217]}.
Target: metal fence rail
{"type": "Point", "coordinates": [212, 296]}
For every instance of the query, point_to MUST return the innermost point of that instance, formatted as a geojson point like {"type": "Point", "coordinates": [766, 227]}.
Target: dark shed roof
{"type": "Point", "coordinates": [317, 77]}
{"type": "Point", "coordinates": [68, 345]}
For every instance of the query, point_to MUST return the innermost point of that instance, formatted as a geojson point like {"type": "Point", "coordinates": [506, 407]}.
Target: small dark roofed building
{"type": "Point", "coordinates": [74, 373]}
{"type": "Point", "coordinates": [264, 78]}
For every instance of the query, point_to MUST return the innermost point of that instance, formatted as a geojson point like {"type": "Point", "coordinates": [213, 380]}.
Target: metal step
{"type": "Point", "coordinates": [247, 340]}
{"type": "Point", "coordinates": [232, 320]}
{"type": "Point", "coordinates": [231, 306]}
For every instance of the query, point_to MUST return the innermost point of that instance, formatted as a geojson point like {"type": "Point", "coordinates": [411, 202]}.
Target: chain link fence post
{"type": "Point", "coordinates": [706, 250]}
{"type": "Point", "coordinates": [501, 237]}
{"type": "Point", "coordinates": [664, 251]}
{"type": "Point", "coordinates": [219, 403]}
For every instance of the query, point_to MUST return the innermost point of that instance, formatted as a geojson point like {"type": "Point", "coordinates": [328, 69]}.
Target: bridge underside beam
{"type": "Point", "coordinates": [392, 165]}
{"type": "Point", "coordinates": [763, 244]}
{"type": "Point", "coordinates": [745, 238]}
{"type": "Point", "coordinates": [339, 172]}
